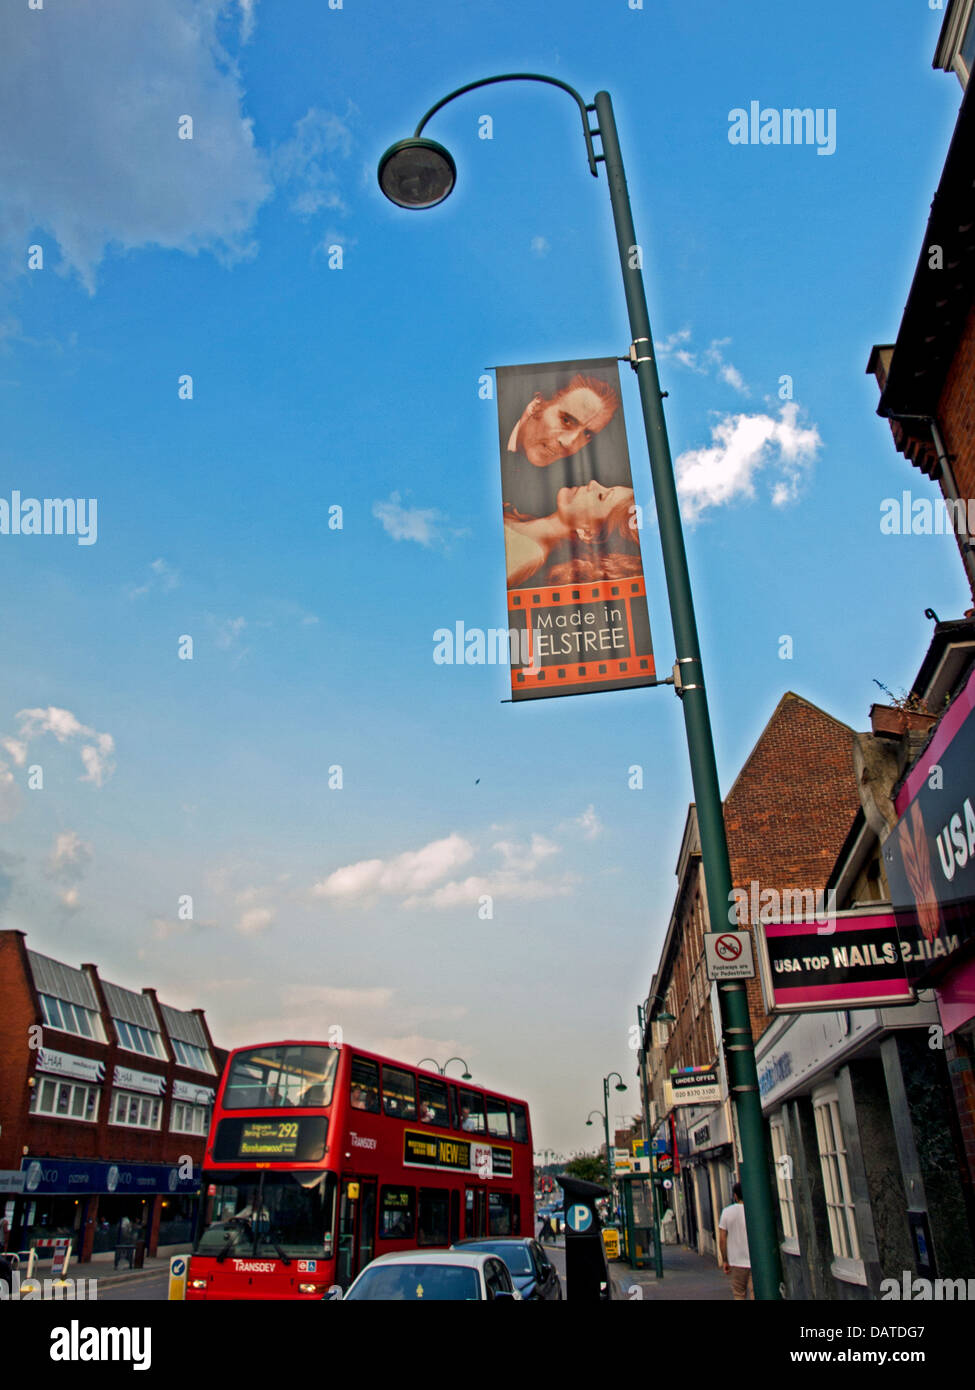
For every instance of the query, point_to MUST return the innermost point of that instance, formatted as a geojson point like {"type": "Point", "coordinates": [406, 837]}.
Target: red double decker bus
{"type": "Point", "coordinates": [321, 1157]}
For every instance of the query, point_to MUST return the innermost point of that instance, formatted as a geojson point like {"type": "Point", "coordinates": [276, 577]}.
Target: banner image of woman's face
{"type": "Point", "coordinates": [563, 425]}
{"type": "Point", "coordinates": [589, 508]}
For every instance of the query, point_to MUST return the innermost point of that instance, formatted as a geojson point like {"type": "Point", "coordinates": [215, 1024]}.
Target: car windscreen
{"type": "Point", "coordinates": [516, 1257]}
{"type": "Point", "coordinates": [412, 1283]}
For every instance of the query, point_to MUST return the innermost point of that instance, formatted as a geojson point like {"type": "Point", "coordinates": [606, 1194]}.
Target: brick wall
{"type": "Point", "coordinates": [790, 809]}
{"type": "Point", "coordinates": [956, 412]}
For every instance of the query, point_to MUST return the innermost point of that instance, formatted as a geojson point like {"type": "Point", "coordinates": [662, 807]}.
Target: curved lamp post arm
{"type": "Point", "coordinates": [523, 77]}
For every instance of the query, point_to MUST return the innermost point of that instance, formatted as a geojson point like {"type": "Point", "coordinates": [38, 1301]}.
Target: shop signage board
{"type": "Point", "coordinates": [929, 856]}
{"type": "Point", "coordinates": [856, 960]}
{"type": "Point", "coordinates": [692, 1088]}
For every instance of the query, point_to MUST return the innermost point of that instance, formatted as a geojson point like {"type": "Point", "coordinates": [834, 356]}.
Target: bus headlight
{"type": "Point", "coordinates": [309, 1288]}
{"type": "Point", "coordinates": [198, 1283]}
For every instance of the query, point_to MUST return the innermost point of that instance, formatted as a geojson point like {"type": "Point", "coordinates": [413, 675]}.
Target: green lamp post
{"type": "Point", "coordinates": [419, 173]}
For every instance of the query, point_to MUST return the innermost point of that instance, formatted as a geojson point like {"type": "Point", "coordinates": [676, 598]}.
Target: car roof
{"type": "Point", "coordinates": [470, 1259]}
{"type": "Point", "coordinates": [472, 1242]}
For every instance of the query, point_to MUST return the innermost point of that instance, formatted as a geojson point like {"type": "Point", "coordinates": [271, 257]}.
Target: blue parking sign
{"type": "Point", "coordinates": [579, 1217]}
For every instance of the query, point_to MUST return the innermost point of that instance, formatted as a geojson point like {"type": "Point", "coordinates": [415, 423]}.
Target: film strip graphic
{"type": "Point", "coordinates": [585, 669]}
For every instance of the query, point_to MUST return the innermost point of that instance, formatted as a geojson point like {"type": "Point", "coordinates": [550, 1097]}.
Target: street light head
{"type": "Point", "coordinates": [621, 1087]}
{"type": "Point", "coordinates": [417, 173]}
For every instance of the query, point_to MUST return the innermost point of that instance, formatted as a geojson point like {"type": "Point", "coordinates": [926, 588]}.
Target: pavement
{"type": "Point", "coordinates": [107, 1275]}
{"type": "Point", "coordinates": [688, 1277]}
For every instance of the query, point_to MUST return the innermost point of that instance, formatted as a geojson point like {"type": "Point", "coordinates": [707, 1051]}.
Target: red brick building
{"type": "Point", "coordinates": [787, 816]}
{"type": "Point", "coordinates": [105, 1099]}
{"type": "Point", "coordinates": [927, 377]}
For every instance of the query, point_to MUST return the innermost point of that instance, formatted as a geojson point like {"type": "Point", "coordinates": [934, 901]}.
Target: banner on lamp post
{"type": "Point", "coordinates": [577, 605]}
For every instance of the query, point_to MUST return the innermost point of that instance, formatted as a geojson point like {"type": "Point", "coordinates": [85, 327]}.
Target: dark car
{"type": "Point", "coordinates": [532, 1272]}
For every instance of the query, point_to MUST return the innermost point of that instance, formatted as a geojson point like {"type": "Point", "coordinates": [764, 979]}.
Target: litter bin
{"type": "Point", "coordinates": [139, 1254]}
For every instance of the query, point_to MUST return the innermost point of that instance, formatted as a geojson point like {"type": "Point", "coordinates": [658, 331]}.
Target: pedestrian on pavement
{"type": "Point", "coordinates": [733, 1246]}
{"type": "Point", "coordinates": [547, 1233]}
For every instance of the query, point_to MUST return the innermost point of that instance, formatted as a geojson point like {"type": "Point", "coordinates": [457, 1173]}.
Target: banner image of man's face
{"type": "Point", "coordinates": [554, 429]}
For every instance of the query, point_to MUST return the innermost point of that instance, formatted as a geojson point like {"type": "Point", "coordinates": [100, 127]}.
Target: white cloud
{"type": "Point", "coordinates": [305, 163]}
{"type": "Point", "coordinates": [96, 162]}
{"type": "Point", "coordinates": [677, 347]}
{"type": "Point", "coordinates": [339, 998]}
{"type": "Point", "coordinates": [228, 635]}
{"type": "Point", "coordinates": [9, 795]}
{"type": "Point", "coordinates": [162, 576]}
{"type": "Point", "coordinates": [96, 755]}
{"type": "Point", "coordinates": [540, 245]}
{"type": "Point", "coordinates": [410, 872]}
{"type": "Point", "coordinates": [589, 823]}
{"type": "Point", "coordinates": [66, 866]}
{"type": "Point", "coordinates": [254, 921]}
{"type": "Point", "coordinates": [744, 446]}
{"type": "Point", "coordinates": [16, 748]}
{"type": "Point", "coordinates": [523, 859]}
{"type": "Point", "coordinates": [423, 525]}
{"type": "Point", "coordinates": [466, 892]}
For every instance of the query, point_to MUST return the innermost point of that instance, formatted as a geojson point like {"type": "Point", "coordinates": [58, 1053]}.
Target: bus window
{"type": "Point", "coordinates": [396, 1213]}
{"type": "Point", "coordinates": [433, 1101]}
{"type": "Point", "coordinates": [471, 1115]}
{"type": "Point", "coordinates": [432, 1212]}
{"type": "Point", "coordinates": [497, 1116]}
{"type": "Point", "coordinates": [499, 1213]}
{"type": "Point", "coordinates": [364, 1084]}
{"type": "Point", "coordinates": [519, 1124]}
{"type": "Point", "coordinates": [399, 1093]}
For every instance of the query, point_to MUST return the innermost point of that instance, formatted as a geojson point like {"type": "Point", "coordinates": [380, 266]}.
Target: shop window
{"type": "Point", "coordinates": [136, 1039]}
{"type": "Point", "coordinates": [783, 1183]}
{"type": "Point", "coordinates": [399, 1093]}
{"type": "Point", "coordinates": [71, 1018]}
{"type": "Point", "coordinates": [189, 1119]}
{"type": "Point", "coordinates": [64, 1099]}
{"type": "Point", "coordinates": [135, 1111]}
{"type": "Point", "coordinates": [836, 1184]}
{"type": "Point", "coordinates": [188, 1055]}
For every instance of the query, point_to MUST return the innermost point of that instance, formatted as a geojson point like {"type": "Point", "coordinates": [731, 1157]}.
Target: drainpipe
{"type": "Point", "coordinates": [947, 481]}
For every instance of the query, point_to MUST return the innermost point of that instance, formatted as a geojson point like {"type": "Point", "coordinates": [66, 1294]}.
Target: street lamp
{"type": "Point", "coordinates": [642, 1012]}
{"type": "Point", "coordinates": [620, 1087]}
{"type": "Point", "coordinates": [416, 173]}
{"type": "Point", "coordinates": [443, 1069]}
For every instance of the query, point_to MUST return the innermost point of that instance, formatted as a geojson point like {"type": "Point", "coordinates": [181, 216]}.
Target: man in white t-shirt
{"type": "Point", "coordinates": [733, 1246]}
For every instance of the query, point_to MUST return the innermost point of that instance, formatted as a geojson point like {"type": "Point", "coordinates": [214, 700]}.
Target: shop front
{"type": "Point", "coordinates": [101, 1205]}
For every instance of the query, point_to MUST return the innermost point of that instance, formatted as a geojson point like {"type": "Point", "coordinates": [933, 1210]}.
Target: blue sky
{"type": "Point", "coordinates": [357, 387]}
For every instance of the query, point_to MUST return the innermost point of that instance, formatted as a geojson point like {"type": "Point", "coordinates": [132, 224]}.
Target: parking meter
{"type": "Point", "coordinates": [586, 1270]}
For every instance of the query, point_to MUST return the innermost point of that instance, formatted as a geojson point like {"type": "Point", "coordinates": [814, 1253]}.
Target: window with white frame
{"type": "Point", "coordinates": [189, 1055]}
{"type": "Point", "coordinates": [71, 1018]}
{"type": "Point", "coordinates": [134, 1038]}
{"type": "Point", "coordinates": [135, 1111]}
{"type": "Point", "coordinates": [836, 1177]}
{"type": "Point", "coordinates": [783, 1182]}
{"type": "Point", "coordinates": [189, 1119]}
{"type": "Point", "coordinates": [65, 1100]}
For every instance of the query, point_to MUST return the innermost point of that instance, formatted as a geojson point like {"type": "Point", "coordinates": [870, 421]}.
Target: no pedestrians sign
{"type": "Point", "coordinates": [728, 955]}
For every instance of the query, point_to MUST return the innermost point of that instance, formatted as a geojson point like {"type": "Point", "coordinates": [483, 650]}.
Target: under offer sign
{"type": "Point", "coordinates": [857, 961]}
{"type": "Point", "coordinates": [728, 955]}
